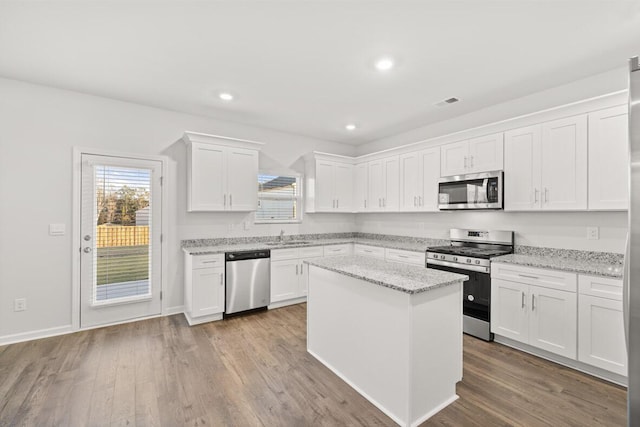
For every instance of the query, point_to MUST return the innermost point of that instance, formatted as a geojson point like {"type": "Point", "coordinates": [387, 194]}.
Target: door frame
{"type": "Point", "coordinates": [76, 232]}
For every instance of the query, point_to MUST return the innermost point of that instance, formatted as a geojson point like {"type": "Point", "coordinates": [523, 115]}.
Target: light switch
{"type": "Point", "coordinates": [57, 229]}
{"type": "Point", "coordinates": [593, 233]}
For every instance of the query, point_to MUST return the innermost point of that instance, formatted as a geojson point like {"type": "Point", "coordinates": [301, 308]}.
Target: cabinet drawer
{"type": "Point", "coordinates": [208, 261]}
{"type": "Point", "coordinates": [311, 252]}
{"type": "Point", "coordinates": [604, 287]}
{"type": "Point", "coordinates": [408, 257]}
{"type": "Point", "coordinates": [344, 249]}
{"type": "Point", "coordinates": [535, 276]}
{"type": "Point", "coordinates": [289, 253]}
{"type": "Point", "coordinates": [366, 250]}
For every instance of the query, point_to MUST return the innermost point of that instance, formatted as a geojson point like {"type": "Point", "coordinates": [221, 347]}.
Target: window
{"type": "Point", "coordinates": [279, 198]}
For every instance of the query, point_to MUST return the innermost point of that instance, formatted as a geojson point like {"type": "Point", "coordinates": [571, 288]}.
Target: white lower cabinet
{"type": "Point", "coordinates": [204, 288]}
{"type": "Point", "coordinates": [366, 250]}
{"type": "Point", "coordinates": [288, 281]}
{"type": "Point", "coordinates": [407, 257]}
{"type": "Point", "coordinates": [601, 339]}
{"type": "Point", "coordinates": [343, 249]}
{"type": "Point", "coordinates": [533, 310]}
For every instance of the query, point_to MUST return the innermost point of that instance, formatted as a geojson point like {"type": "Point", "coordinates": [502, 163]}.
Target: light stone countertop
{"type": "Point", "coordinates": [220, 249]}
{"type": "Point", "coordinates": [411, 279]}
{"type": "Point", "coordinates": [581, 266]}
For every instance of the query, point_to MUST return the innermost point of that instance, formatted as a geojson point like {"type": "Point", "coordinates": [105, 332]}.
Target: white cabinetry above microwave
{"type": "Point", "coordinates": [545, 166]}
{"type": "Point", "coordinates": [222, 173]}
{"type": "Point", "coordinates": [481, 154]}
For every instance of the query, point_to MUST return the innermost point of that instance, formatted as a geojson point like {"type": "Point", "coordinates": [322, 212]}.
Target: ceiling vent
{"type": "Point", "coordinates": [447, 101]}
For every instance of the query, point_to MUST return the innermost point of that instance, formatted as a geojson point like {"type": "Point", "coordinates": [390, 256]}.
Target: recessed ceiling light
{"type": "Point", "coordinates": [225, 96]}
{"type": "Point", "coordinates": [384, 64]}
{"type": "Point", "coordinates": [350, 127]}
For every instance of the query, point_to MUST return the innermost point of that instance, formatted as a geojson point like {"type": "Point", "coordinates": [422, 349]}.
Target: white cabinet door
{"type": "Point", "coordinates": [509, 309]}
{"type": "Point", "coordinates": [242, 179]}
{"type": "Point", "coordinates": [601, 334]}
{"type": "Point", "coordinates": [410, 181]}
{"type": "Point", "coordinates": [391, 197]}
{"type": "Point", "coordinates": [454, 158]}
{"type": "Point", "coordinates": [609, 159]}
{"type": "Point", "coordinates": [429, 175]}
{"type": "Point", "coordinates": [207, 291]}
{"type": "Point", "coordinates": [303, 281]}
{"type": "Point", "coordinates": [376, 185]}
{"type": "Point", "coordinates": [207, 177]}
{"type": "Point", "coordinates": [284, 280]}
{"type": "Point", "coordinates": [343, 187]}
{"type": "Point", "coordinates": [361, 190]}
{"type": "Point", "coordinates": [486, 153]}
{"type": "Point", "coordinates": [564, 164]}
{"type": "Point", "coordinates": [324, 185]}
{"type": "Point", "coordinates": [553, 321]}
{"type": "Point", "coordinates": [522, 180]}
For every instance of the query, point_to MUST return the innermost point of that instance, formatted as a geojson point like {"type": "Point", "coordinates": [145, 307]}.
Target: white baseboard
{"type": "Point", "coordinates": [170, 311]}
{"type": "Point", "coordinates": [36, 335]}
{"type": "Point", "coordinates": [287, 302]}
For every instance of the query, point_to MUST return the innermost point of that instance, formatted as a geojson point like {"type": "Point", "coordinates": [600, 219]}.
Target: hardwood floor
{"type": "Point", "coordinates": [255, 371]}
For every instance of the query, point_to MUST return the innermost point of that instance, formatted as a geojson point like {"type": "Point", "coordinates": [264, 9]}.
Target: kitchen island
{"type": "Point", "coordinates": [392, 331]}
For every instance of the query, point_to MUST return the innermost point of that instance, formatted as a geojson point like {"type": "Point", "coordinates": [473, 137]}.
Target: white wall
{"type": "Point", "coordinates": [40, 125]}
{"type": "Point", "coordinates": [566, 230]}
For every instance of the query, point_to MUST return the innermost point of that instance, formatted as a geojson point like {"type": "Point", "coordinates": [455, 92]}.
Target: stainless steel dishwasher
{"type": "Point", "coordinates": [248, 277]}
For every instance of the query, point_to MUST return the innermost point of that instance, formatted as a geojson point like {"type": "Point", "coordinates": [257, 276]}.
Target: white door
{"type": "Point", "coordinates": [343, 187]}
{"type": "Point", "coordinates": [430, 175]}
{"type": "Point", "coordinates": [454, 158]}
{"type": "Point", "coordinates": [325, 200]}
{"type": "Point", "coordinates": [509, 309]}
{"type": "Point", "coordinates": [361, 191]}
{"type": "Point", "coordinates": [391, 197]}
{"type": "Point", "coordinates": [564, 164]}
{"type": "Point", "coordinates": [486, 153]}
{"type": "Point", "coordinates": [121, 223]}
{"type": "Point", "coordinates": [609, 158]}
{"type": "Point", "coordinates": [522, 180]}
{"type": "Point", "coordinates": [553, 321]}
{"type": "Point", "coordinates": [242, 185]}
{"type": "Point", "coordinates": [410, 185]}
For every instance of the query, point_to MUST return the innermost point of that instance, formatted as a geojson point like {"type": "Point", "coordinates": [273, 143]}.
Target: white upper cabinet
{"type": "Point", "coordinates": [329, 184]}
{"type": "Point", "coordinates": [481, 154]}
{"type": "Point", "coordinates": [564, 164]}
{"type": "Point", "coordinates": [361, 187]}
{"type": "Point", "coordinates": [222, 173]}
{"type": "Point", "coordinates": [419, 175]}
{"type": "Point", "coordinates": [545, 166]}
{"type": "Point", "coordinates": [609, 159]}
{"type": "Point", "coordinates": [384, 184]}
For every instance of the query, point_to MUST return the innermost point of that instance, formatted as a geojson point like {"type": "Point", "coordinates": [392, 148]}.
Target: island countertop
{"type": "Point", "coordinates": [406, 278]}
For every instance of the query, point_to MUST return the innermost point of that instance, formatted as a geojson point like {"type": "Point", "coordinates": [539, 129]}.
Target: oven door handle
{"type": "Point", "coordinates": [470, 267]}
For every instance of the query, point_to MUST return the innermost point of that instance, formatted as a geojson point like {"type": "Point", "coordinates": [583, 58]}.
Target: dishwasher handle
{"type": "Point", "coordinates": [243, 255]}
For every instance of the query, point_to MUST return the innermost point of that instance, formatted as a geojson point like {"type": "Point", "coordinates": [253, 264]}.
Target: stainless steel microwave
{"type": "Point", "coordinates": [474, 191]}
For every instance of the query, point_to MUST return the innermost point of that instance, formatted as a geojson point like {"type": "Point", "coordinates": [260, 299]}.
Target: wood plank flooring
{"type": "Point", "coordinates": [254, 371]}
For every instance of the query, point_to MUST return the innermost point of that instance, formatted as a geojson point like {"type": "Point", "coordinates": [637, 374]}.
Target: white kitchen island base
{"type": "Point", "coordinates": [401, 351]}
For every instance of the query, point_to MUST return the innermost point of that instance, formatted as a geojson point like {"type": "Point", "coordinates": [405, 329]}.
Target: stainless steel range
{"type": "Point", "coordinates": [470, 253]}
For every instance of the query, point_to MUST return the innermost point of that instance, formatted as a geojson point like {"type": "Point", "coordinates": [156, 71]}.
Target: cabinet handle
{"type": "Point", "coordinates": [470, 161]}
{"type": "Point", "coordinates": [465, 162]}
{"type": "Point", "coordinates": [365, 203]}
{"type": "Point", "coordinates": [528, 276]}
{"type": "Point", "coordinates": [415, 201]}
{"type": "Point", "coordinates": [403, 256]}
{"type": "Point", "coordinates": [533, 302]}
{"type": "Point", "coordinates": [419, 200]}
{"type": "Point", "coordinates": [546, 195]}
{"type": "Point", "coordinates": [225, 200]}
{"type": "Point", "coordinates": [221, 280]}
{"type": "Point", "coordinates": [230, 200]}
{"type": "Point", "coordinates": [384, 202]}
{"type": "Point", "coordinates": [523, 299]}
{"type": "Point", "coordinates": [209, 262]}
{"type": "Point", "coordinates": [338, 203]}
{"type": "Point", "coordinates": [535, 195]}
{"type": "Point", "coordinates": [301, 264]}
{"type": "Point", "coordinates": [379, 203]}
{"type": "Point", "coordinates": [297, 269]}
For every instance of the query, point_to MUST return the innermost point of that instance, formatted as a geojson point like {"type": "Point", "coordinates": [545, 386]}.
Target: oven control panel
{"type": "Point", "coordinates": [459, 261]}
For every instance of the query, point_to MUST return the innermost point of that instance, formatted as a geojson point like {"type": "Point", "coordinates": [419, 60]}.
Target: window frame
{"type": "Point", "coordinates": [298, 198]}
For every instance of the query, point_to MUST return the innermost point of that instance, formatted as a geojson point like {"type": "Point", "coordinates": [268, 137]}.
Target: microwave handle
{"type": "Point", "coordinates": [485, 189]}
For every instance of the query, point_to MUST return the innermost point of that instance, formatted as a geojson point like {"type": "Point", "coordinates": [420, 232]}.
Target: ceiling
{"type": "Point", "coordinates": [306, 67]}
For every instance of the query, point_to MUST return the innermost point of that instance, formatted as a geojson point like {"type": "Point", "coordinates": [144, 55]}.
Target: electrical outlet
{"type": "Point", "coordinates": [593, 233]}
{"type": "Point", "coordinates": [20, 304]}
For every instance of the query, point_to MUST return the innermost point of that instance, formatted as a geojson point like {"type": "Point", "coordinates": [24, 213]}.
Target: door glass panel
{"type": "Point", "coordinates": [122, 245]}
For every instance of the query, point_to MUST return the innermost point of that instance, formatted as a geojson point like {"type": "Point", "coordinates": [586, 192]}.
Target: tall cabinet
{"type": "Point", "coordinates": [222, 173]}
{"type": "Point", "coordinates": [419, 175]}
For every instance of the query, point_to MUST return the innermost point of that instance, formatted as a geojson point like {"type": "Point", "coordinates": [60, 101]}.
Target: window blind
{"type": "Point", "coordinates": [278, 198]}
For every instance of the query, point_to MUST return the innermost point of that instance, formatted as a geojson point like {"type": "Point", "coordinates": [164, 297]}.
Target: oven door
{"type": "Point", "coordinates": [477, 191]}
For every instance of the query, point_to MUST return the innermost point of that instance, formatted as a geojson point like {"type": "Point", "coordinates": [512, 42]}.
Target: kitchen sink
{"type": "Point", "coordinates": [289, 243]}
